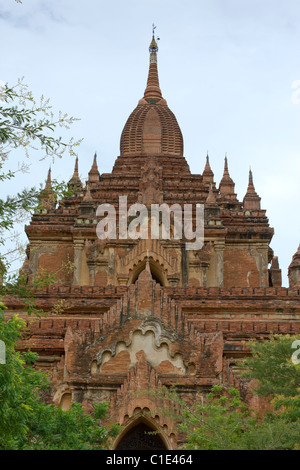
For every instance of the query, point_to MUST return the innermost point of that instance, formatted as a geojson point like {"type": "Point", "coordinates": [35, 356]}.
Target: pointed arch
{"type": "Point", "coordinates": [135, 436]}
{"type": "Point", "coordinates": [156, 272]}
{"type": "Point", "coordinates": [163, 265]}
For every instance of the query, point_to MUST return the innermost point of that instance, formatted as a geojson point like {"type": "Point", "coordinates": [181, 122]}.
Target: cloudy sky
{"type": "Point", "coordinates": [229, 69]}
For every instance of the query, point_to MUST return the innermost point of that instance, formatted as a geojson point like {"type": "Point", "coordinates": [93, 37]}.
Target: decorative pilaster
{"type": "Point", "coordinates": [219, 247]}
{"type": "Point", "coordinates": [78, 248]}
{"type": "Point", "coordinates": [92, 271]}
{"type": "Point", "coordinates": [261, 258]}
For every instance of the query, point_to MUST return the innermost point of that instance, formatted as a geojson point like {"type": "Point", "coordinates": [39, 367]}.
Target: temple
{"type": "Point", "coordinates": [126, 315]}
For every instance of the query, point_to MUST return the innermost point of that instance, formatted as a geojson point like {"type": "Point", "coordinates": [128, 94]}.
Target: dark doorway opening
{"type": "Point", "coordinates": [155, 273]}
{"type": "Point", "coordinates": [138, 438]}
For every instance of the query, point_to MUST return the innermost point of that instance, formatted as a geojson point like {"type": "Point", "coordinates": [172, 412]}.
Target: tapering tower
{"type": "Point", "coordinates": [152, 129]}
{"type": "Point", "coordinates": [145, 312]}
{"type": "Point", "coordinates": [151, 169]}
{"type": "Point", "coordinates": [294, 270]}
{"type": "Point", "coordinates": [251, 200]}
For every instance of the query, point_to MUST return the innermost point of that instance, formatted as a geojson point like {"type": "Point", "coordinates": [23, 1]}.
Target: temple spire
{"type": "Point", "coordinates": [207, 176]}
{"type": "Point", "coordinates": [226, 172]}
{"type": "Point", "coordinates": [275, 276]}
{"type": "Point", "coordinates": [211, 198]}
{"type": "Point", "coordinates": [87, 207]}
{"type": "Point", "coordinates": [152, 92]}
{"type": "Point", "coordinates": [294, 270]}
{"type": "Point", "coordinates": [88, 197]}
{"type": "Point", "coordinates": [251, 200]}
{"type": "Point", "coordinates": [48, 181]}
{"type": "Point", "coordinates": [76, 175]}
{"type": "Point", "coordinates": [94, 174]}
{"type": "Point", "coordinates": [251, 185]}
{"type": "Point", "coordinates": [226, 187]}
{"type": "Point", "coordinates": [47, 195]}
{"type": "Point", "coordinates": [75, 184]}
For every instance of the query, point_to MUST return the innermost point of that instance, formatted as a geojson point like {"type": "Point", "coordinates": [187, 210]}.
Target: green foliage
{"type": "Point", "coordinates": [19, 384]}
{"type": "Point", "coordinates": [25, 202]}
{"type": "Point", "coordinates": [30, 126]}
{"type": "Point", "coordinates": [274, 432]}
{"type": "Point", "coordinates": [54, 429]}
{"type": "Point", "coordinates": [16, 285]}
{"type": "Point", "coordinates": [276, 375]}
{"type": "Point", "coordinates": [217, 424]}
{"type": "Point", "coordinates": [221, 420]}
{"type": "Point", "coordinates": [26, 421]}
{"type": "Point", "coordinates": [25, 122]}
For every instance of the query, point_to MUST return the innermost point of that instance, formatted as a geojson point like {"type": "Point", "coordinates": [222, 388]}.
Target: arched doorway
{"type": "Point", "coordinates": [138, 438]}
{"type": "Point", "coordinates": [66, 401]}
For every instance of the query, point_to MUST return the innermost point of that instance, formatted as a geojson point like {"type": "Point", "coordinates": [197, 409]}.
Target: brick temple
{"type": "Point", "coordinates": [128, 315]}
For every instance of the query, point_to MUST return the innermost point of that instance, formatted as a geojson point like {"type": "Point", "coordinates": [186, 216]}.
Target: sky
{"type": "Point", "coordinates": [229, 70]}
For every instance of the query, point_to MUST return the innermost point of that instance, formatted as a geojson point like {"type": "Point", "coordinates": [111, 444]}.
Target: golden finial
{"type": "Point", "coordinates": [153, 46]}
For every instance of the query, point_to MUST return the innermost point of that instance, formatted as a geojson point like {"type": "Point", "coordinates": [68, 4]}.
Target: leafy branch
{"type": "Point", "coordinates": [32, 122]}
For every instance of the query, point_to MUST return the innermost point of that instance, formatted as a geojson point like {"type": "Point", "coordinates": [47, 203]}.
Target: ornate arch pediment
{"type": "Point", "coordinates": [165, 266]}
{"type": "Point", "coordinates": [146, 320]}
{"type": "Point", "coordinates": [153, 339]}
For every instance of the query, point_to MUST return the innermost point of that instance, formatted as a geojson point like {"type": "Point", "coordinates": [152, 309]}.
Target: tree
{"type": "Point", "coordinates": [55, 429]}
{"type": "Point", "coordinates": [223, 421]}
{"type": "Point", "coordinates": [17, 384]}
{"type": "Point", "coordinates": [276, 375]}
{"type": "Point", "coordinates": [26, 421]}
{"type": "Point", "coordinates": [29, 125]}
{"type": "Point", "coordinates": [218, 423]}
{"type": "Point", "coordinates": [32, 123]}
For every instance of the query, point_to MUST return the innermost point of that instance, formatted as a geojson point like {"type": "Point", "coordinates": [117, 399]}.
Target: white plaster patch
{"type": "Point", "coordinates": [154, 354]}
